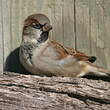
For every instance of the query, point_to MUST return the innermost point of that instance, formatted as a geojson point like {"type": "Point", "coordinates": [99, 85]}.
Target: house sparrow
{"type": "Point", "coordinates": [42, 56]}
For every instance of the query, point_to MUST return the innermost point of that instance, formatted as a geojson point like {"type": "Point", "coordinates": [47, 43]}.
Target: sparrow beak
{"type": "Point", "coordinates": [47, 27]}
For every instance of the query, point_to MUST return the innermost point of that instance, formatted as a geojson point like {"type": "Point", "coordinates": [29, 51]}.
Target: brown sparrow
{"type": "Point", "coordinates": [42, 56]}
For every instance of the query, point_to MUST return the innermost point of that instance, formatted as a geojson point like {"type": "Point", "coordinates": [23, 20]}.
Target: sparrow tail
{"type": "Point", "coordinates": [98, 71]}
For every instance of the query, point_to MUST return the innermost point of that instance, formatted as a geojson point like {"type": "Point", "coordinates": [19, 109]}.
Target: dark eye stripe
{"type": "Point", "coordinates": [37, 26]}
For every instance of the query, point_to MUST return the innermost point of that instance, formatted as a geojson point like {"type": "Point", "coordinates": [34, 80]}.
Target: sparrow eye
{"type": "Point", "coordinates": [37, 26]}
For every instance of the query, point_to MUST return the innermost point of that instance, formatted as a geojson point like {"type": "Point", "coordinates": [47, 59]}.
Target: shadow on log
{"type": "Point", "coordinates": [30, 92]}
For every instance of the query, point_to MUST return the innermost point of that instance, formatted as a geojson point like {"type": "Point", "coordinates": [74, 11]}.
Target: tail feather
{"type": "Point", "coordinates": [98, 71]}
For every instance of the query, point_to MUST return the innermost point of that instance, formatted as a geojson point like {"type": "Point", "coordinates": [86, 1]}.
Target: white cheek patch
{"type": "Point", "coordinates": [36, 36]}
{"type": "Point", "coordinates": [36, 33]}
{"type": "Point", "coordinates": [39, 32]}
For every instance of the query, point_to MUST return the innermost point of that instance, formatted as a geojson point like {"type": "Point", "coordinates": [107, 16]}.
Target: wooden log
{"type": "Point", "coordinates": [30, 92]}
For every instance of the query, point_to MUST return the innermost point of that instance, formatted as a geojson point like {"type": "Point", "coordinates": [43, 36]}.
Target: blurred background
{"type": "Point", "coordinates": [81, 24]}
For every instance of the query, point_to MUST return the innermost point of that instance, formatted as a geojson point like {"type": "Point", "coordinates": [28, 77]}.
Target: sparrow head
{"type": "Point", "coordinates": [36, 27]}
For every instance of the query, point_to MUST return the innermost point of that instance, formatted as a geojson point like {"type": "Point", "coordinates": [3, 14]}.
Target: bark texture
{"type": "Point", "coordinates": [30, 92]}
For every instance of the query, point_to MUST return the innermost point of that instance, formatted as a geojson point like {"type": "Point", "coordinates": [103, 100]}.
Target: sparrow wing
{"type": "Point", "coordinates": [65, 51]}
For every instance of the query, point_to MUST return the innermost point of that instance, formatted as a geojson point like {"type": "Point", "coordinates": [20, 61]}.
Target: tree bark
{"type": "Point", "coordinates": [30, 92]}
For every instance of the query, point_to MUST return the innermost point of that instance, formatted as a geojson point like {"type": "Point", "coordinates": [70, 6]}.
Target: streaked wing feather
{"type": "Point", "coordinates": [65, 51]}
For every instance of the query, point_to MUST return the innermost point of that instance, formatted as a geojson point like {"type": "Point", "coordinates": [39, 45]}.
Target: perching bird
{"type": "Point", "coordinates": [42, 56]}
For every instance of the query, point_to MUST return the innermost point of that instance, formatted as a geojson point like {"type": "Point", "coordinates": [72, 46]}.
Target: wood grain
{"type": "Point", "coordinates": [68, 23]}
{"type": "Point", "coordinates": [30, 92]}
{"type": "Point", "coordinates": [6, 28]}
{"type": "Point", "coordinates": [1, 39]}
{"type": "Point", "coordinates": [84, 24]}
{"type": "Point", "coordinates": [92, 17]}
